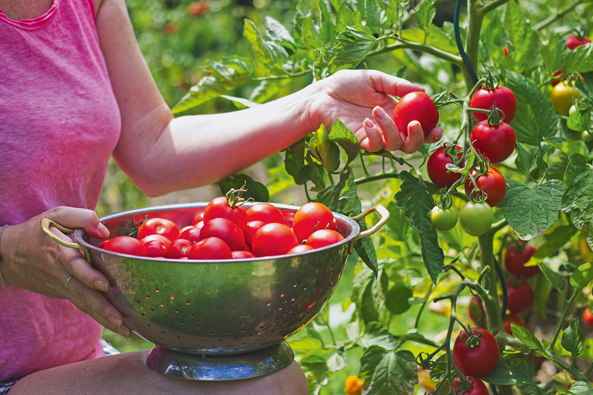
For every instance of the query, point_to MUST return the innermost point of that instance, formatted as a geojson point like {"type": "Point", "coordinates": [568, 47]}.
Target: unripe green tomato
{"type": "Point", "coordinates": [443, 218]}
{"type": "Point", "coordinates": [476, 218]}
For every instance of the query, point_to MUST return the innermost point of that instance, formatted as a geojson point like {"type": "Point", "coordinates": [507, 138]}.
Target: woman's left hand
{"type": "Point", "coordinates": [363, 100]}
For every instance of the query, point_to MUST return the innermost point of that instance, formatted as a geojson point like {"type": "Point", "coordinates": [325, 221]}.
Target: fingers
{"type": "Point", "coordinates": [75, 263]}
{"type": "Point", "coordinates": [96, 305]}
{"type": "Point", "coordinates": [369, 137]}
{"type": "Point", "coordinates": [79, 218]}
{"type": "Point", "coordinates": [391, 85]}
{"type": "Point", "coordinates": [392, 138]}
{"type": "Point", "coordinates": [435, 135]}
{"type": "Point", "coordinates": [415, 138]}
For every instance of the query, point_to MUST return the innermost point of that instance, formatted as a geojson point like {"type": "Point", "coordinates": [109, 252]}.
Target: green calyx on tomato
{"type": "Point", "coordinates": [476, 360]}
{"type": "Point", "coordinates": [492, 184]}
{"type": "Point", "coordinates": [476, 217]}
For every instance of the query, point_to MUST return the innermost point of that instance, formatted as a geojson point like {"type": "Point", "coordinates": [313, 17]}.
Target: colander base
{"type": "Point", "coordinates": [220, 368]}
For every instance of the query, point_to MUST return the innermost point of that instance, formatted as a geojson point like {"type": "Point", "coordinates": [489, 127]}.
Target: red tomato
{"type": "Point", "coordinates": [494, 142]}
{"type": "Point", "coordinates": [266, 213]}
{"type": "Point", "coordinates": [476, 310]}
{"type": "Point", "coordinates": [520, 298]}
{"type": "Point", "coordinates": [512, 319]}
{"type": "Point", "coordinates": [501, 97]}
{"type": "Point", "coordinates": [242, 254]}
{"type": "Point", "coordinates": [506, 50]}
{"type": "Point", "coordinates": [156, 245]}
{"type": "Point", "coordinates": [192, 233]}
{"type": "Point", "coordinates": [124, 245]}
{"type": "Point", "coordinates": [198, 218]}
{"type": "Point", "coordinates": [479, 360]}
{"type": "Point", "coordinates": [179, 248]}
{"type": "Point", "coordinates": [573, 41]}
{"type": "Point", "coordinates": [477, 386]}
{"type": "Point", "coordinates": [300, 248]}
{"type": "Point", "coordinates": [210, 248]}
{"type": "Point", "coordinates": [416, 106]}
{"type": "Point", "coordinates": [311, 217]}
{"type": "Point", "coordinates": [556, 81]}
{"type": "Point", "coordinates": [159, 226]}
{"type": "Point", "coordinates": [226, 230]}
{"type": "Point", "coordinates": [515, 258]}
{"type": "Point", "coordinates": [250, 229]}
{"type": "Point", "coordinates": [437, 170]}
{"type": "Point", "coordinates": [324, 237]}
{"type": "Point", "coordinates": [273, 239]}
{"type": "Point", "coordinates": [588, 317]}
{"type": "Point", "coordinates": [198, 8]}
{"type": "Point", "coordinates": [493, 183]}
{"type": "Point", "coordinates": [219, 208]}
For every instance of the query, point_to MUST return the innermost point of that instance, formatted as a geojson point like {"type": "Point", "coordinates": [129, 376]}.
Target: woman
{"type": "Point", "coordinates": [75, 90]}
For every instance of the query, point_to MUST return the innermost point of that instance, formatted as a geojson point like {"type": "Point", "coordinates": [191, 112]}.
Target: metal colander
{"type": "Point", "coordinates": [205, 316]}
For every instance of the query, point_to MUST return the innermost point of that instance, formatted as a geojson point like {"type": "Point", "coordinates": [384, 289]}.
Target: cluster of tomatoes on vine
{"type": "Point", "coordinates": [227, 230]}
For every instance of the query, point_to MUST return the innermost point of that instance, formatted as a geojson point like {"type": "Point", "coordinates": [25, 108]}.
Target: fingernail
{"type": "Point", "coordinates": [103, 230]}
{"type": "Point", "coordinates": [380, 113]}
{"type": "Point", "coordinates": [438, 136]}
{"type": "Point", "coordinates": [101, 286]}
{"type": "Point", "coordinates": [123, 332]}
{"type": "Point", "coordinates": [368, 123]}
{"type": "Point", "coordinates": [115, 321]}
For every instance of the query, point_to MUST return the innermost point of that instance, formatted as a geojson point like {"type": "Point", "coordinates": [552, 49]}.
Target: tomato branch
{"type": "Point", "coordinates": [491, 6]}
{"type": "Point", "coordinates": [405, 44]}
{"type": "Point", "coordinates": [553, 18]}
{"type": "Point", "coordinates": [574, 295]}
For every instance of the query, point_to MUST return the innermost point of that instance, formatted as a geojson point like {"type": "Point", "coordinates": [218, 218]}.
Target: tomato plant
{"type": "Point", "coordinates": [501, 97]}
{"type": "Point", "coordinates": [494, 142]}
{"type": "Point", "coordinates": [515, 258]}
{"type": "Point", "coordinates": [477, 355]}
{"type": "Point", "coordinates": [416, 106]}
{"type": "Point", "coordinates": [492, 183]}
{"type": "Point", "coordinates": [437, 170]}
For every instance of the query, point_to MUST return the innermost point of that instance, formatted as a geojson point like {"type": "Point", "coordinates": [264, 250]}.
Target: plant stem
{"type": "Point", "coordinates": [424, 305]}
{"type": "Point", "coordinates": [491, 301]}
{"type": "Point", "coordinates": [382, 176]}
{"type": "Point", "coordinates": [405, 44]}
{"type": "Point", "coordinates": [552, 18]}
{"type": "Point", "coordinates": [563, 319]}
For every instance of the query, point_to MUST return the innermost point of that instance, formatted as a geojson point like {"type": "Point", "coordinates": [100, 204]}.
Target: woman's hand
{"type": "Point", "coordinates": [362, 100]}
{"type": "Point", "coordinates": [33, 261]}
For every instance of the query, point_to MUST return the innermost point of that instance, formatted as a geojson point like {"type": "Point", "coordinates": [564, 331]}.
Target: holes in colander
{"type": "Point", "coordinates": [305, 288]}
{"type": "Point", "coordinates": [149, 325]}
{"type": "Point", "coordinates": [143, 315]}
{"type": "Point", "coordinates": [158, 322]}
{"type": "Point", "coordinates": [181, 322]}
{"type": "Point", "coordinates": [290, 311]}
{"type": "Point", "coordinates": [151, 309]}
{"type": "Point", "coordinates": [162, 304]}
{"type": "Point", "coordinates": [267, 304]}
{"type": "Point", "coordinates": [282, 295]}
{"type": "Point", "coordinates": [179, 337]}
{"type": "Point", "coordinates": [266, 316]}
{"type": "Point", "coordinates": [166, 316]}
{"type": "Point", "coordinates": [147, 297]}
{"type": "Point", "coordinates": [219, 340]}
{"type": "Point", "coordinates": [138, 301]}
{"type": "Point", "coordinates": [187, 303]}
{"type": "Point", "coordinates": [261, 327]}
{"type": "Point", "coordinates": [292, 299]}
{"type": "Point", "coordinates": [294, 285]}
{"type": "Point", "coordinates": [177, 311]}
{"type": "Point", "coordinates": [172, 296]}
{"type": "Point", "coordinates": [163, 332]}
{"type": "Point", "coordinates": [280, 308]}
{"type": "Point", "coordinates": [193, 315]}
{"type": "Point", "coordinates": [158, 290]}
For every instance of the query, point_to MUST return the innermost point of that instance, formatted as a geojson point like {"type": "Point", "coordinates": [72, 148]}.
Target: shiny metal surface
{"type": "Point", "coordinates": [217, 308]}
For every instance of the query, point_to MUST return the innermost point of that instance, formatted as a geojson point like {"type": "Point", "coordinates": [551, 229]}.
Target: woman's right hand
{"type": "Point", "coordinates": [33, 261]}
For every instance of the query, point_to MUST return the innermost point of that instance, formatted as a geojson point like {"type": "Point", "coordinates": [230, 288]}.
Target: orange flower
{"type": "Point", "coordinates": [353, 386]}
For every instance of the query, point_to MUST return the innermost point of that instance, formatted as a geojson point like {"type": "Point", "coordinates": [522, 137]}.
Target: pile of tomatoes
{"type": "Point", "coordinates": [227, 230]}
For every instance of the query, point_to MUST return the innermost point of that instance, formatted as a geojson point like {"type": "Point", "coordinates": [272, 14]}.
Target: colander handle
{"type": "Point", "coordinates": [46, 223]}
{"type": "Point", "coordinates": [383, 212]}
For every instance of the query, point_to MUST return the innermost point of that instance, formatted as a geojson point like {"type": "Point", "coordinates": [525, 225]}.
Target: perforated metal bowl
{"type": "Point", "coordinates": [237, 309]}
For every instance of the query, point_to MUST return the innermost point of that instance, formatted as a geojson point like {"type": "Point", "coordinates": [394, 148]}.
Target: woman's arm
{"type": "Point", "coordinates": [161, 153]}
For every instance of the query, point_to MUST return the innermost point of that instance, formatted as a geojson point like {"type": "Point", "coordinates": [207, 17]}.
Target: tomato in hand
{"type": "Point", "coordinates": [159, 226]}
{"type": "Point", "coordinates": [520, 298]}
{"type": "Point", "coordinates": [476, 218]}
{"type": "Point", "coordinates": [311, 217]}
{"type": "Point", "coordinates": [219, 207]}
{"type": "Point", "coordinates": [588, 317]}
{"type": "Point", "coordinates": [265, 212]}
{"type": "Point", "coordinates": [156, 245]}
{"type": "Point", "coordinates": [562, 96]}
{"type": "Point", "coordinates": [273, 239]}
{"type": "Point", "coordinates": [437, 170]}
{"type": "Point", "coordinates": [300, 248]}
{"type": "Point", "coordinates": [493, 183]}
{"type": "Point", "coordinates": [179, 249]}
{"type": "Point", "coordinates": [494, 142]}
{"type": "Point", "coordinates": [573, 41]}
{"type": "Point", "coordinates": [225, 230]}
{"type": "Point", "coordinates": [515, 258]}
{"type": "Point", "coordinates": [479, 360]}
{"type": "Point", "coordinates": [323, 238]}
{"type": "Point", "coordinates": [501, 97]}
{"type": "Point", "coordinates": [210, 248]}
{"type": "Point", "coordinates": [513, 319]}
{"type": "Point", "coordinates": [477, 386]}
{"type": "Point", "coordinates": [124, 245]}
{"type": "Point", "coordinates": [416, 106]}
{"type": "Point", "coordinates": [443, 218]}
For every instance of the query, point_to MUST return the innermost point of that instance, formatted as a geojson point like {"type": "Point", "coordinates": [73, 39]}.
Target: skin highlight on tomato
{"type": "Point", "coordinates": [493, 183]}
{"type": "Point", "coordinates": [198, 218]}
{"type": "Point", "coordinates": [477, 386]}
{"type": "Point", "coordinates": [562, 96]}
{"type": "Point", "coordinates": [476, 218]}
{"type": "Point", "coordinates": [225, 230]}
{"type": "Point", "coordinates": [219, 208]}
{"type": "Point", "coordinates": [211, 248]}
{"type": "Point", "coordinates": [310, 217]}
{"type": "Point", "coordinates": [323, 238]}
{"type": "Point", "coordinates": [300, 248]}
{"type": "Point", "coordinates": [588, 317]}
{"type": "Point", "coordinates": [496, 143]}
{"type": "Point", "coordinates": [266, 213]}
{"type": "Point", "coordinates": [501, 97]}
{"type": "Point", "coordinates": [159, 226]}
{"type": "Point", "coordinates": [179, 249]}
{"type": "Point", "coordinates": [513, 319]}
{"type": "Point", "coordinates": [515, 258]}
{"type": "Point", "coordinates": [444, 218]}
{"type": "Point", "coordinates": [156, 245]}
{"type": "Point", "coordinates": [479, 360]}
{"type": "Point", "coordinates": [520, 298]}
{"type": "Point", "coordinates": [273, 239]}
{"type": "Point", "coordinates": [437, 170]}
{"type": "Point", "coordinates": [124, 245]}
{"type": "Point", "coordinates": [416, 106]}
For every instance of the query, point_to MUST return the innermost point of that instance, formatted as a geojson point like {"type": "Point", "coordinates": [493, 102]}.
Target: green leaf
{"type": "Point", "coordinates": [525, 40]}
{"type": "Point", "coordinates": [255, 190]}
{"type": "Point", "coordinates": [397, 298]}
{"type": "Point", "coordinates": [581, 388]}
{"type": "Point", "coordinates": [432, 36]}
{"type": "Point", "coordinates": [425, 14]}
{"type": "Point", "coordinates": [582, 276]}
{"type": "Point", "coordinates": [555, 240]}
{"type": "Point", "coordinates": [511, 371]}
{"type": "Point", "coordinates": [388, 372]}
{"type": "Point", "coordinates": [573, 338]}
{"type": "Point", "coordinates": [306, 344]}
{"type": "Point", "coordinates": [556, 170]}
{"type": "Point", "coordinates": [555, 279]}
{"type": "Point", "coordinates": [541, 289]}
{"type": "Point", "coordinates": [324, 150]}
{"type": "Point", "coordinates": [528, 338]}
{"type": "Point", "coordinates": [294, 162]}
{"type": "Point", "coordinates": [315, 363]}
{"type": "Point", "coordinates": [524, 160]}
{"type": "Point", "coordinates": [579, 120]}
{"type": "Point", "coordinates": [240, 102]}
{"type": "Point", "coordinates": [568, 147]}
{"type": "Point", "coordinates": [579, 60]}
{"type": "Point", "coordinates": [397, 226]}
{"type": "Point", "coordinates": [536, 117]}
{"type": "Point", "coordinates": [493, 31]}
{"type": "Point", "coordinates": [268, 89]}
{"type": "Point", "coordinates": [577, 201]}
{"type": "Point", "coordinates": [338, 360]}
{"type": "Point", "coordinates": [341, 135]}
{"type": "Point", "coordinates": [366, 305]}
{"type": "Point", "coordinates": [553, 53]}
{"type": "Point", "coordinates": [326, 32]}
{"type": "Point", "coordinates": [585, 87]}
{"type": "Point", "coordinates": [415, 198]}
{"type": "Point", "coordinates": [278, 33]}
{"type": "Point", "coordinates": [375, 16]}
{"type": "Point", "coordinates": [268, 52]}
{"type": "Point", "coordinates": [353, 46]}
{"type": "Point", "coordinates": [531, 211]}
{"type": "Point", "coordinates": [376, 335]}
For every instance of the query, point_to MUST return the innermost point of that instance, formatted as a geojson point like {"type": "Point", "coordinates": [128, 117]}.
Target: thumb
{"type": "Point", "coordinates": [71, 217]}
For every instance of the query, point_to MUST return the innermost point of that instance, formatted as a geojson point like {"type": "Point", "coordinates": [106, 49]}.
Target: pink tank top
{"type": "Point", "coordinates": [59, 123]}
